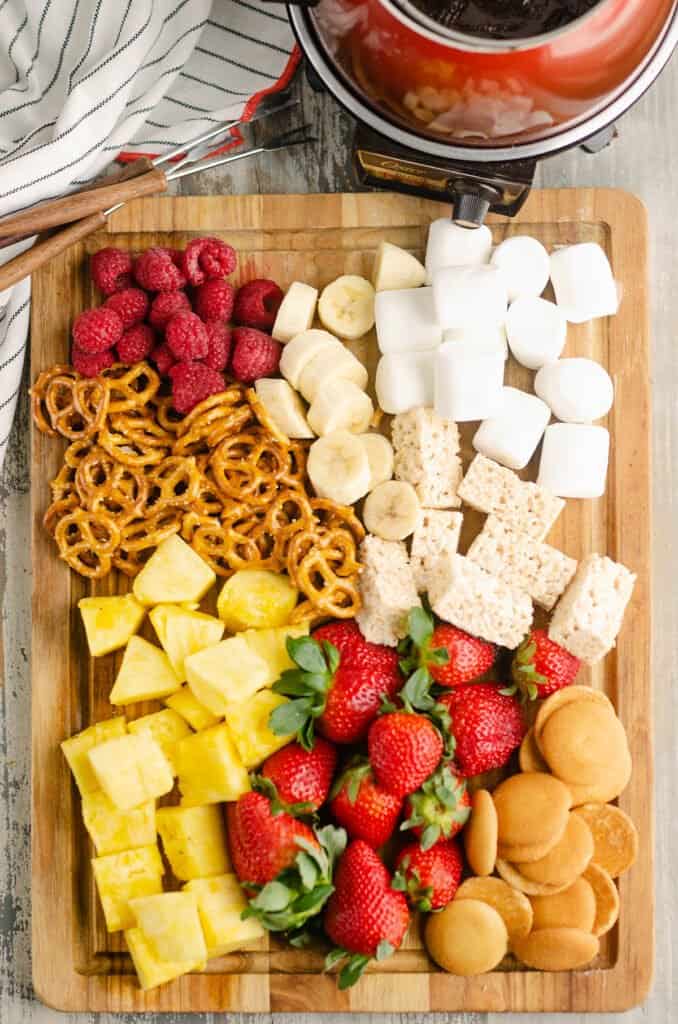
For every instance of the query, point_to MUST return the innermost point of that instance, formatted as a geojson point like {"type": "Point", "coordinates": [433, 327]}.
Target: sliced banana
{"type": "Point", "coordinates": [395, 268]}
{"type": "Point", "coordinates": [300, 350]}
{"type": "Point", "coordinates": [391, 510]}
{"type": "Point", "coordinates": [328, 364]}
{"type": "Point", "coordinates": [340, 405]}
{"type": "Point", "coordinates": [346, 306]}
{"type": "Point", "coordinates": [284, 406]}
{"type": "Point", "coordinates": [338, 467]}
{"type": "Point", "coordinates": [380, 457]}
{"type": "Point", "coordinates": [296, 311]}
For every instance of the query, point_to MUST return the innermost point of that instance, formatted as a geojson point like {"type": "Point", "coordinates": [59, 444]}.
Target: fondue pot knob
{"type": "Point", "coordinates": [471, 202]}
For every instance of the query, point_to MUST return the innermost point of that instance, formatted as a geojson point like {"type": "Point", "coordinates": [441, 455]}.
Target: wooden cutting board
{"type": "Point", "coordinates": [76, 966]}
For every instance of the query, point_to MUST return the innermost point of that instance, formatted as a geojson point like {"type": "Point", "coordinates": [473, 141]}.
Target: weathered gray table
{"type": "Point", "coordinates": [643, 160]}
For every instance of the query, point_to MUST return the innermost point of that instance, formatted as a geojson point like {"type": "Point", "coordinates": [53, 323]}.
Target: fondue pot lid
{"type": "Point", "coordinates": [495, 21]}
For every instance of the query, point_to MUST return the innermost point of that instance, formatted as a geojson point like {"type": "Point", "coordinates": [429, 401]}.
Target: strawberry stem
{"type": "Point", "coordinates": [307, 686]}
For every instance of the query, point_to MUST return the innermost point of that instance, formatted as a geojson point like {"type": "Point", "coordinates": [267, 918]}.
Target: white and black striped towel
{"type": "Point", "coordinates": [82, 80]}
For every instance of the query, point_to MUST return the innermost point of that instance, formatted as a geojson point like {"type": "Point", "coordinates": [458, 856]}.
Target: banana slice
{"type": "Point", "coordinates": [284, 406]}
{"type": "Point", "coordinates": [380, 457]}
{"type": "Point", "coordinates": [395, 268]}
{"type": "Point", "coordinates": [391, 510]}
{"type": "Point", "coordinates": [340, 405]}
{"type": "Point", "coordinates": [296, 311]}
{"type": "Point", "coordinates": [347, 306]}
{"type": "Point", "coordinates": [329, 364]}
{"type": "Point", "coordinates": [299, 352]}
{"type": "Point", "coordinates": [338, 467]}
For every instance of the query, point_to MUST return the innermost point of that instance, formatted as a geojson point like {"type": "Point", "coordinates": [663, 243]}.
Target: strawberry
{"type": "Point", "coordinates": [449, 655]}
{"type": "Point", "coordinates": [365, 917]}
{"type": "Point", "coordinates": [299, 780]}
{"type": "Point", "coordinates": [540, 666]}
{"type": "Point", "coordinates": [429, 878]}
{"type": "Point", "coordinates": [487, 726]}
{"type": "Point", "coordinates": [404, 749]}
{"type": "Point", "coordinates": [364, 808]}
{"type": "Point", "coordinates": [337, 686]}
{"type": "Point", "coordinates": [439, 809]}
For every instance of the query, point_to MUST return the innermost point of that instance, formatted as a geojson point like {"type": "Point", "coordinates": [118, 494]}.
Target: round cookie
{"type": "Point", "coordinates": [480, 834]}
{"type": "Point", "coordinates": [615, 837]}
{"type": "Point", "coordinates": [525, 854]}
{"type": "Point", "coordinates": [532, 810]}
{"type": "Point", "coordinates": [583, 742]}
{"type": "Point", "coordinates": [566, 860]}
{"type": "Point", "coordinates": [467, 937]}
{"type": "Point", "coordinates": [574, 907]}
{"type": "Point", "coordinates": [557, 949]}
{"type": "Point", "coordinates": [607, 898]}
{"type": "Point", "coordinates": [529, 756]}
{"type": "Point", "coordinates": [512, 905]}
{"type": "Point", "coordinates": [510, 874]}
{"type": "Point", "coordinates": [568, 695]}
{"type": "Point", "coordinates": [605, 788]}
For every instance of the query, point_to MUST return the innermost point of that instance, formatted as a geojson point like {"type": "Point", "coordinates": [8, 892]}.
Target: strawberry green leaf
{"type": "Point", "coordinates": [334, 957]}
{"type": "Point", "coordinates": [274, 896]}
{"type": "Point", "coordinates": [430, 836]}
{"type": "Point", "coordinates": [415, 694]}
{"type": "Point", "coordinates": [288, 718]}
{"type": "Point", "coordinates": [291, 684]}
{"type": "Point", "coordinates": [306, 653]}
{"type": "Point", "coordinates": [353, 970]}
{"type": "Point", "coordinates": [384, 950]}
{"type": "Point", "coordinates": [308, 870]}
{"type": "Point", "coordinates": [332, 656]}
{"type": "Point", "coordinates": [438, 656]}
{"type": "Point", "coordinates": [420, 626]}
{"type": "Point", "coordinates": [333, 840]}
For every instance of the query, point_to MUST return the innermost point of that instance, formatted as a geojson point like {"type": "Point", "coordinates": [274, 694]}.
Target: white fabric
{"type": "Point", "coordinates": [81, 80]}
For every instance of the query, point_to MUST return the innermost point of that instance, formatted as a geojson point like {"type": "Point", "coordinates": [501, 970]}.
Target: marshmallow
{"type": "Point", "coordinates": [511, 436]}
{"type": "Point", "coordinates": [536, 330]}
{"type": "Point", "coordinates": [405, 320]}
{"type": "Point", "coordinates": [481, 336]}
{"type": "Point", "coordinates": [451, 245]}
{"type": "Point", "coordinates": [467, 381]}
{"type": "Point", "coordinates": [583, 282]}
{"type": "Point", "coordinates": [525, 264]}
{"type": "Point", "coordinates": [405, 380]}
{"type": "Point", "coordinates": [468, 296]}
{"type": "Point", "coordinates": [577, 390]}
{"type": "Point", "coordinates": [574, 460]}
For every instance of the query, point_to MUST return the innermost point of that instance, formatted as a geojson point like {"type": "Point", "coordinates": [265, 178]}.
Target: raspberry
{"type": "Point", "coordinates": [255, 354]}
{"type": "Point", "coordinates": [155, 271]}
{"type": "Point", "coordinates": [214, 300]}
{"type": "Point", "coordinates": [257, 304]}
{"type": "Point", "coordinates": [186, 336]}
{"type": "Point", "coordinates": [163, 358]}
{"type": "Point", "coordinates": [136, 343]}
{"type": "Point", "coordinates": [131, 305]}
{"type": "Point", "coordinates": [192, 383]}
{"type": "Point", "coordinates": [96, 330]}
{"type": "Point", "coordinates": [90, 364]}
{"type": "Point", "coordinates": [111, 270]}
{"type": "Point", "coordinates": [205, 258]}
{"type": "Point", "coordinates": [166, 305]}
{"type": "Point", "coordinates": [218, 344]}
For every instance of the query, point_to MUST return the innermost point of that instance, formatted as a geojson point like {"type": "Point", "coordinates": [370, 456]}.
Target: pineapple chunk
{"type": "Point", "coordinates": [145, 674]}
{"type": "Point", "coordinates": [248, 726]}
{"type": "Point", "coordinates": [194, 840]}
{"type": "Point", "coordinates": [131, 770]}
{"type": "Point", "coordinates": [270, 645]}
{"type": "Point", "coordinates": [228, 673]}
{"type": "Point", "coordinates": [76, 749]}
{"type": "Point", "coordinates": [257, 599]}
{"type": "Point", "coordinates": [120, 877]}
{"type": "Point", "coordinates": [113, 831]}
{"type": "Point", "coordinates": [151, 971]}
{"type": "Point", "coordinates": [183, 632]}
{"type": "Point", "coordinates": [189, 707]}
{"type": "Point", "coordinates": [209, 768]}
{"type": "Point", "coordinates": [166, 728]}
{"type": "Point", "coordinates": [220, 903]}
{"type": "Point", "coordinates": [171, 923]}
{"type": "Point", "coordinates": [173, 574]}
{"type": "Point", "coordinates": [110, 621]}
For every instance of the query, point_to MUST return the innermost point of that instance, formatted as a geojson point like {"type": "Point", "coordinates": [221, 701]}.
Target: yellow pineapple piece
{"type": "Point", "coordinates": [110, 621]}
{"type": "Point", "coordinates": [194, 840]}
{"type": "Point", "coordinates": [131, 770]}
{"type": "Point", "coordinates": [113, 831]}
{"type": "Point", "coordinates": [228, 673]}
{"type": "Point", "coordinates": [209, 768]}
{"type": "Point", "coordinates": [182, 632]}
{"type": "Point", "coordinates": [248, 726]}
{"type": "Point", "coordinates": [145, 674]}
{"type": "Point", "coordinates": [151, 971]}
{"type": "Point", "coordinates": [76, 749]}
{"type": "Point", "coordinates": [189, 707]}
{"type": "Point", "coordinates": [270, 645]}
{"type": "Point", "coordinates": [256, 599]}
{"type": "Point", "coordinates": [121, 877]}
{"type": "Point", "coordinates": [166, 728]}
{"type": "Point", "coordinates": [220, 904]}
{"type": "Point", "coordinates": [171, 924]}
{"type": "Point", "coordinates": [173, 574]}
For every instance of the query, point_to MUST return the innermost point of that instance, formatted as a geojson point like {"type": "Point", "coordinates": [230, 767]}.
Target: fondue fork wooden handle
{"type": "Point", "coordinates": [42, 252]}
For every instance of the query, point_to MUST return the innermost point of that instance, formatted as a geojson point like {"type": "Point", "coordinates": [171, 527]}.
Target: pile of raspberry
{"type": "Point", "coordinates": [176, 308]}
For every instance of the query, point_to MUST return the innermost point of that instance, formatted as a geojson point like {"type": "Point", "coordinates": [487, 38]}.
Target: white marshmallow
{"type": "Point", "coordinates": [405, 320]}
{"type": "Point", "coordinates": [481, 336]}
{"type": "Point", "coordinates": [536, 330]}
{"type": "Point", "coordinates": [405, 380]}
{"type": "Point", "coordinates": [574, 460]}
{"type": "Point", "coordinates": [583, 282]}
{"type": "Point", "coordinates": [511, 436]}
{"type": "Point", "coordinates": [468, 296]}
{"type": "Point", "coordinates": [451, 245]}
{"type": "Point", "coordinates": [467, 381]}
{"type": "Point", "coordinates": [525, 264]}
{"type": "Point", "coordinates": [577, 390]}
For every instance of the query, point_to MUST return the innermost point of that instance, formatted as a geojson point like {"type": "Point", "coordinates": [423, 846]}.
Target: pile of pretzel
{"type": "Point", "coordinates": [223, 477]}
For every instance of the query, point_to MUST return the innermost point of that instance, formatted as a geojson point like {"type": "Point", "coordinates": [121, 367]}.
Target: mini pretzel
{"type": "Point", "coordinates": [175, 482]}
{"type": "Point", "coordinates": [247, 467]}
{"type": "Point", "coordinates": [91, 399]}
{"type": "Point", "coordinates": [58, 509]}
{"type": "Point", "coordinates": [139, 427]}
{"type": "Point", "coordinates": [77, 451]}
{"type": "Point", "coordinates": [131, 387]}
{"type": "Point", "coordinates": [131, 562]}
{"type": "Point", "coordinates": [37, 393]}
{"type": "Point", "coordinates": [167, 416]}
{"type": "Point", "coordinates": [63, 483]}
{"type": "Point", "coordinates": [75, 408]}
{"type": "Point", "coordinates": [330, 515]}
{"type": "Point", "coordinates": [149, 531]}
{"type": "Point", "coordinates": [232, 396]}
{"type": "Point", "coordinates": [87, 541]}
{"type": "Point", "coordinates": [207, 500]}
{"type": "Point", "coordinates": [130, 453]}
{"type": "Point", "coordinates": [212, 427]}
{"type": "Point", "coordinates": [325, 567]}
{"type": "Point", "coordinates": [289, 513]}
{"type": "Point", "coordinates": [105, 485]}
